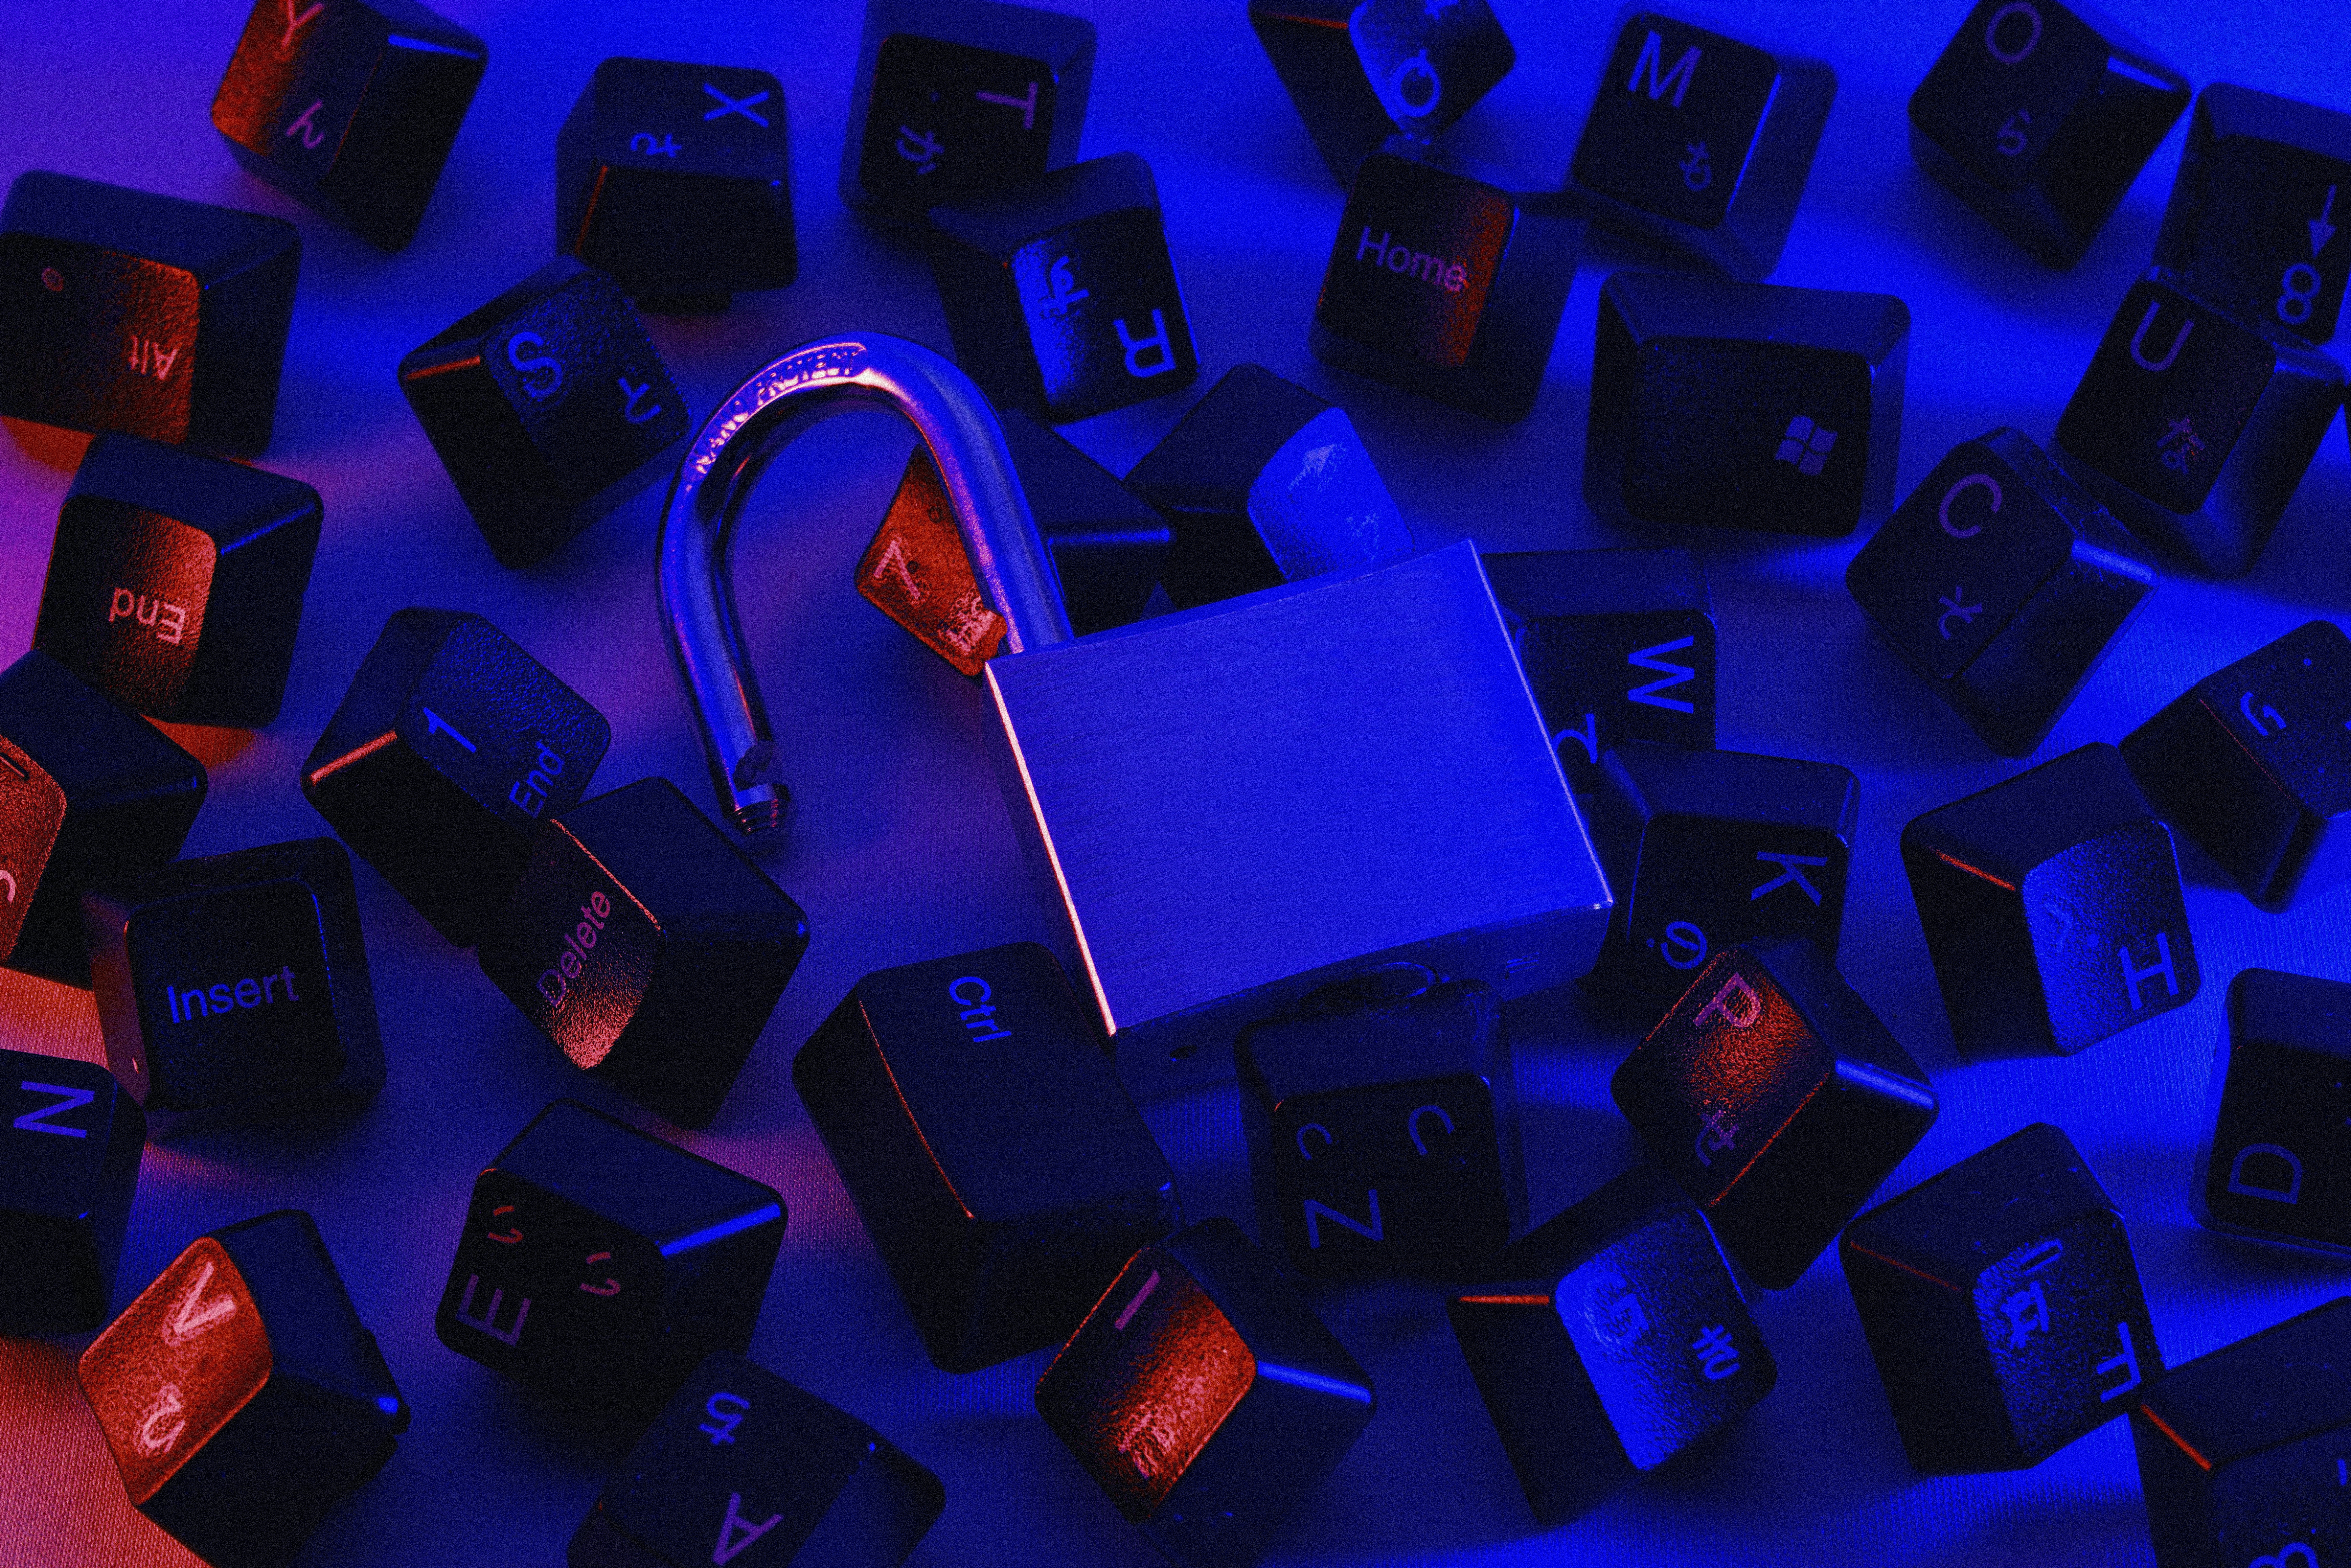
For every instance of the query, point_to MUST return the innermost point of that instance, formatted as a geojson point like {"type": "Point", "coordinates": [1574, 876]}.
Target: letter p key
{"type": "Point", "coordinates": [1735, 1004]}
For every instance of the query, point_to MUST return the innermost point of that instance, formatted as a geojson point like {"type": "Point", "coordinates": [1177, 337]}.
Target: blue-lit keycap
{"type": "Point", "coordinates": [1359, 71]}
{"type": "Point", "coordinates": [2278, 1165]}
{"type": "Point", "coordinates": [69, 1150]}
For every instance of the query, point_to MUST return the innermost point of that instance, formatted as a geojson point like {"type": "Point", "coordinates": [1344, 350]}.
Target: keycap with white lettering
{"type": "Point", "coordinates": [2039, 115]}
{"type": "Point", "coordinates": [2002, 1306]}
{"type": "Point", "coordinates": [237, 982]}
{"type": "Point", "coordinates": [600, 1265]}
{"type": "Point", "coordinates": [2195, 427]}
{"type": "Point", "coordinates": [175, 581]}
{"type": "Point", "coordinates": [1061, 293]}
{"type": "Point", "coordinates": [90, 794]}
{"type": "Point", "coordinates": [2002, 584]}
{"type": "Point", "coordinates": [1445, 282]}
{"type": "Point", "coordinates": [1700, 142]}
{"type": "Point", "coordinates": [1265, 482]}
{"type": "Point", "coordinates": [120, 310]}
{"type": "Point", "coordinates": [647, 946]}
{"type": "Point", "coordinates": [1707, 850]}
{"type": "Point", "coordinates": [2051, 907]}
{"type": "Point", "coordinates": [2254, 763]}
{"type": "Point", "coordinates": [549, 406]}
{"type": "Point", "coordinates": [350, 105]}
{"type": "Point", "coordinates": [676, 180]}
{"type": "Point", "coordinates": [1359, 71]}
{"type": "Point", "coordinates": [1777, 1099]}
{"type": "Point", "coordinates": [1205, 1398]}
{"type": "Point", "coordinates": [451, 746]}
{"type": "Point", "coordinates": [2244, 1455]}
{"type": "Point", "coordinates": [743, 1466]}
{"type": "Point", "coordinates": [69, 1152]}
{"type": "Point", "coordinates": [2277, 1166]}
{"type": "Point", "coordinates": [958, 99]}
{"type": "Point", "coordinates": [1744, 405]}
{"type": "Point", "coordinates": [1609, 1341]}
{"type": "Point", "coordinates": [240, 1396]}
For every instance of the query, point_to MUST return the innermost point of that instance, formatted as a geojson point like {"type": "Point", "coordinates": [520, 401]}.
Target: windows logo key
{"type": "Point", "coordinates": [1806, 445]}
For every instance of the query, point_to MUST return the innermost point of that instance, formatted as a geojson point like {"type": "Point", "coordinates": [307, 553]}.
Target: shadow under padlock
{"type": "Point", "coordinates": [1230, 805]}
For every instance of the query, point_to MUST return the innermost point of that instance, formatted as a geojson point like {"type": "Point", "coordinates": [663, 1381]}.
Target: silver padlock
{"type": "Point", "coordinates": [1233, 804]}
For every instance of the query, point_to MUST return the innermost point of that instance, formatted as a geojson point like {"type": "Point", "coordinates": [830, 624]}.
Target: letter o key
{"type": "Point", "coordinates": [1991, 32]}
{"type": "Point", "coordinates": [1943, 512]}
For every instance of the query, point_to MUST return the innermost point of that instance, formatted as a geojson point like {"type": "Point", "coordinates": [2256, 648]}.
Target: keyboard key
{"type": "Point", "coordinates": [1744, 405]}
{"type": "Point", "coordinates": [1061, 293]}
{"type": "Point", "coordinates": [1361, 70]}
{"type": "Point", "coordinates": [1383, 1127]}
{"type": "Point", "coordinates": [999, 1166]}
{"type": "Point", "coordinates": [69, 1165]}
{"type": "Point", "coordinates": [1265, 482]}
{"type": "Point", "coordinates": [2194, 426]}
{"type": "Point", "coordinates": [960, 99]}
{"type": "Point", "coordinates": [2002, 1306]}
{"type": "Point", "coordinates": [1205, 1398]}
{"type": "Point", "coordinates": [1443, 283]}
{"type": "Point", "coordinates": [2002, 584]}
{"type": "Point", "coordinates": [349, 107]}
{"type": "Point", "coordinates": [1777, 1099]}
{"type": "Point", "coordinates": [1700, 142]}
{"type": "Point", "coordinates": [175, 582]}
{"type": "Point", "coordinates": [120, 310]}
{"type": "Point", "coordinates": [90, 795]}
{"type": "Point", "coordinates": [2039, 116]}
{"type": "Point", "coordinates": [2275, 1168]}
{"type": "Point", "coordinates": [549, 406]}
{"type": "Point", "coordinates": [1609, 1341]}
{"type": "Point", "coordinates": [600, 1264]}
{"type": "Point", "coordinates": [741, 1464]}
{"type": "Point", "coordinates": [238, 982]}
{"type": "Point", "coordinates": [2051, 907]}
{"type": "Point", "coordinates": [676, 180]}
{"type": "Point", "coordinates": [449, 749]}
{"type": "Point", "coordinates": [2254, 763]}
{"type": "Point", "coordinates": [647, 946]}
{"type": "Point", "coordinates": [240, 1396]}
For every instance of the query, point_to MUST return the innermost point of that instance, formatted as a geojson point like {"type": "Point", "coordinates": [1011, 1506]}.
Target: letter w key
{"type": "Point", "coordinates": [1675, 675]}
{"type": "Point", "coordinates": [39, 1120]}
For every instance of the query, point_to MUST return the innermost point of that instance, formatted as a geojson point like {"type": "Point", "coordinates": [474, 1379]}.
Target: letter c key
{"type": "Point", "coordinates": [1943, 512]}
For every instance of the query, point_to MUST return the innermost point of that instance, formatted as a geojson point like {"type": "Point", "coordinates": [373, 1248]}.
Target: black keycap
{"type": "Point", "coordinates": [1617, 645]}
{"type": "Point", "coordinates": [1445, 283]}
{"type": "Point", "coordinates": [350, 105]}
{"type": "Point", "coordinates": [2253, 762]}
{"type": "Point", "coordinates": [89, 795]}
{"type": "Point", "coordinates": [1361, 70]}
{"type": "Point", "coordinates": [676, 180]}
{"type": "Point", "coordinates": [2053, 908]}
{"type": "Point", "coordinates": [2195, 426]}
{"type": "Point", "coordinates": [2002, 1306]}
{"type": "Point", "coordinates": [2040, 115]}
{"type": "Point", "coordinates": [600, 1264]}
{"type": "Point", "coordinates": [1061, 293]}
{"type": "Point", "coordinates": [1744, 405]}
{"type": "Point", "coordinates": [959, 98]}
{"type": "Point", "coordinates": [741, 1464]}
{"type": "Point", "coordinates": [647, 946]}
{"type": "Point", "coordinates": [1707, 851]}
{"type": "Point", "coordinates": [2252, 220]}
{"type": "Point", "coordinates": [238, 982]}
{"type": "Point", "coordinates": [2002, 584]}
{"type": "Point", "coordinates": [120, 310]}
{"type": "Point", "coordinates": [2241, 1452]}
{"type": "Point", "coordinates": [1265, 482]}
{"type": "Point", "coordinates": [549, 406]}
{"type": "Point", "coordinates": [2277, 1166]}
{"type": "Point", "coordinates": [449, 748]}
{"type": "Point", "coordinates": [1609, 1341]}
{"type": "Point", "coordinates": [240, 1396]}
{"type": "Point", "coordinates": [69, 1165]}
{"type": "Point", "coordinates": [999, 1166]}
{"type": "Point", "coordinates": [1777, 1099]}
{"type": "Point", "coordinates": [1700, 142]}
{"type": "Point", "coordinates": [175, 582]}
{"type": "Point", "coordinates": [1204, 1397]}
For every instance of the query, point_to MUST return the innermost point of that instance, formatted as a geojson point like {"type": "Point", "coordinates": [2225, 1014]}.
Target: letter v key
{"type": "Point", "coordinates": [191, 1319]}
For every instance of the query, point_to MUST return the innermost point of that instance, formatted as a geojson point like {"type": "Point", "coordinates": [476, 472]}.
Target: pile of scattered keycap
{"type": "Point", "coordinates": [453, 743]}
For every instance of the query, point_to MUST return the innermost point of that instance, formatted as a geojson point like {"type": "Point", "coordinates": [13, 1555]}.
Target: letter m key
{"type": "Point", "coordinates": [1675, 675]}
{"type": "Point", "coordinates": [1678, 79]}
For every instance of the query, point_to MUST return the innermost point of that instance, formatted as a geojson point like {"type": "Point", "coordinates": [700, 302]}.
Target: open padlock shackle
{"type": "Point", "coordinates": [697, 532]}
